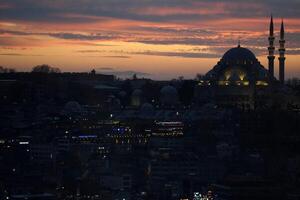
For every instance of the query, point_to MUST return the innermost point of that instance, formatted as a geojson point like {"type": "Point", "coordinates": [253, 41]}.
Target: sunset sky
{"type": "Point", "coordinates": [160, 39]}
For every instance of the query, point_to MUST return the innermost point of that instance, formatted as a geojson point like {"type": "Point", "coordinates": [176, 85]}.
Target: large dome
{"type": "Point", "coordinates": [238, 65]}
{"type": "Point", "coordinates": [239, 54]}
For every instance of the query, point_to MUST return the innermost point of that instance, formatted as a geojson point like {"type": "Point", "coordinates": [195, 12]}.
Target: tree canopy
{"type": "Point", "coordinates": [45, 69]}
{"type": "Point", "coordinates": [6, 70]}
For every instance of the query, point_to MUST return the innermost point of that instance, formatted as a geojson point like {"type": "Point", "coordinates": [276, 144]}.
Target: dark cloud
{"type": "Point", "coordinates": [66, 36]}
{"type": "Point", "coordinates": [18, 54]}
{"type": "Point", "coordinates": [176, 31]}
{"type": "Point", "coordinates": [74, 36]}
{"type": "Point", "coordinates": [117, 57]}
{"type": "Point", "coordinates": [215, 45]}
{"type": "Point", "coordinates": [2, 31]}
{"type": "Point", "coordinates": [178, 54]}
{"type": "Point", "coordinates": [130, 73]}
{"type": "Point", "coordinates": [93, 56]}
{"type": "Point", "coordinates": [121, 74]}
{"type": "Point", "coordinates": [105, 68]}
{"type": "Point", "coordinates": [86, 11]}
{"type": "Point", "coordinates": [184, 54]}
{"type": "Point", "coordinates": [13, 48]}
{"type": "Point", "coordinates": [69, 11]}
{"type": "Point", "coordinates": [295, 51]}
{"type": "Point", "coordinates": [90, 51]}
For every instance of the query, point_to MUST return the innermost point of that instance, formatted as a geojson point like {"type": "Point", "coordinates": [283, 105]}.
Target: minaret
{"type": "Point", "coordinates": [281, 54]}
{"type": "Point", "coordinates": [271, 48]}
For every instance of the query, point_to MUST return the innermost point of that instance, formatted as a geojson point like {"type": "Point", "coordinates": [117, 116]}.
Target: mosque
{"type": "Point", "coordinates": [239, 78]}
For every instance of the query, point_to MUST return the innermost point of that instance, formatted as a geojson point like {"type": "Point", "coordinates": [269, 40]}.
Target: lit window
{"type": "Point", "coordinates": [246, 83]}
{"type": "Point", "coordinates": [261, 83]}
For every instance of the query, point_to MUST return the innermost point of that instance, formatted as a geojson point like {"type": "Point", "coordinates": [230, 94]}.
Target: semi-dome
{"type": "Point", "coordinates": [168, 90]}
{"type": "Point", "coordinates": [122, 93]}
{"type": "Point", "coordinates": [136, 97]}
{"type": "Point", "coordinates": [137, 92]}
{"type": "Point", "coordinates": [169, 95]}
{"type": "Point", "coordinates": [72, 107]}
{"type": "Point", "coordinates": [147, 108]}
{"type": "Point", "coordinates": [238, 54]}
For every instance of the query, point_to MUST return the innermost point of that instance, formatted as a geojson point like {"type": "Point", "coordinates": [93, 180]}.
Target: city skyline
{"type": "Point", "coordinates": [149, 99]}
{"type": "Point", "coordinates": [155, 39]}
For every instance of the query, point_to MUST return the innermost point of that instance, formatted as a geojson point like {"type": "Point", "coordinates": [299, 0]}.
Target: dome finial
{"type": "Point", "coordinates": [239, 43]}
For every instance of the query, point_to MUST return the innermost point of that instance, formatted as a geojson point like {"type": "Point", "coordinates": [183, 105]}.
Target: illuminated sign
{"type": "Point", "coordinates": [23, 143]}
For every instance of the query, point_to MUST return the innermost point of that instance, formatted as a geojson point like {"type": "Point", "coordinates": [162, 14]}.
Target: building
{"type": "Point", "coordinates": [239, 79]}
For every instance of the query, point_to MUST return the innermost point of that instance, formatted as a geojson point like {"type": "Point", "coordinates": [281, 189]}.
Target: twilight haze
{"type": "Point", "coordinates": [160, 39]}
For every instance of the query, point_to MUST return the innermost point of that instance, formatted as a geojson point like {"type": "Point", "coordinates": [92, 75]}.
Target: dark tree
{"type": "Point", "coordinates": [181, 78]}
{"type": "Point", "coordinates": [93, 72]}
{"type": "Point", "coordinates": [199, 77]}
{"type": "Point", "coordinates": [186, 92]}
{"type": "Point", "coordinates": [134, 77]}
{"type": "Point", "coordinates": [45, 69]}
{"type": "Point", "coordinates": [6, 70]}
